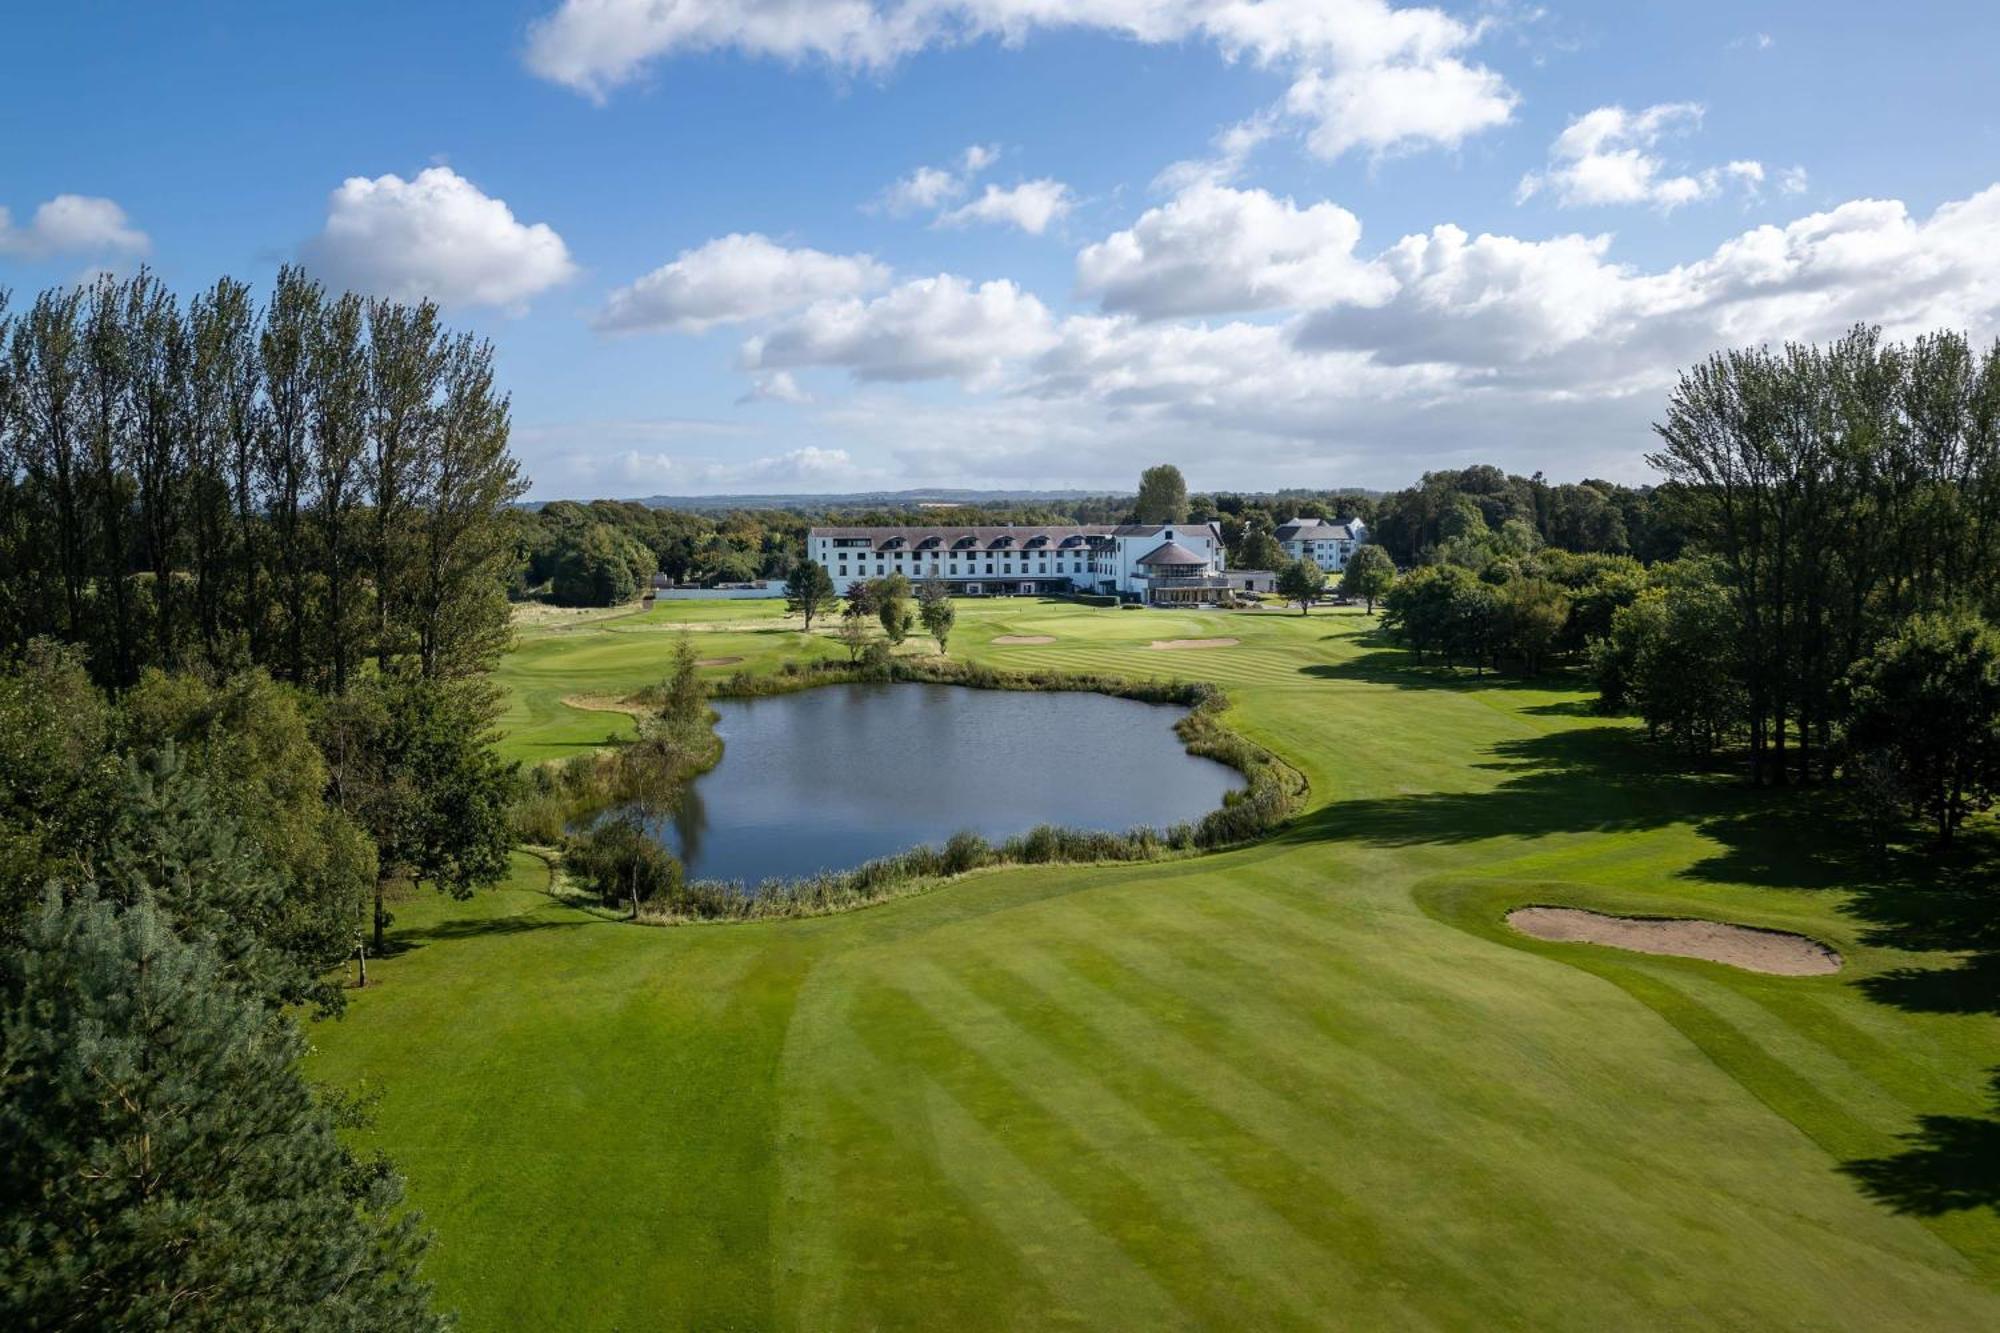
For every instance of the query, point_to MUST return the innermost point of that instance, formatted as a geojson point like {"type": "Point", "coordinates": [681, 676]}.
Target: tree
{"type": "Point", "coordinates": [809, 591]}
{"type": "Point", "coordinates": [167, 1162]}
{"type": "Point", "coordinates": [1928, 698]}
{"type": "Point", "coordinates": [890, 597]}
{"type": "Point", "coordinates": [411, 759]}
{"type": "Point", "coordinates": [1301, 581]}
{"type": "Point", "coordinates": [601, 566]}
{"type": "Point", "coordinates": [1672, 657]}
{"type": "Point", "coordinates": [934, 605]}
{"type": "Point", "coordinates": [1260, 549]}
{"type": "Point", "coordinates": [853, 631]}
{"type": "Point", "coordinates": [1531, 615]}
{"type": "Point", "coordinates": [623, 863]}
{"type": "Point", "coordinates": [1163, 495]}
{"type": "Point", "coordinates": [1368, 574]}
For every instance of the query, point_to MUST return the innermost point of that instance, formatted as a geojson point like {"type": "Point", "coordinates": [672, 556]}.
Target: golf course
{"type": "Point", "coordinates": [1316, 1081]}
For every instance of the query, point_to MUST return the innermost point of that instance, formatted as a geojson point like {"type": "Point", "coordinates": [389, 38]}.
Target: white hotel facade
{"type": "Point", "coordinates": [1163, 564]}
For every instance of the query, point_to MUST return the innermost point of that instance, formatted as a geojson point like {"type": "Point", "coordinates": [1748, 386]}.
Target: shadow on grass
{"type": "Point", "coordinates": [1578, 780]}
{"type": "Point", "coordinates": [1916, 898]}
{"type": "Point", "coordinates": [1398, 668]}
{"type": "Point", "coordinates": [400, 942]}
{"type": "Point", "coordinates": [1952, 1164]}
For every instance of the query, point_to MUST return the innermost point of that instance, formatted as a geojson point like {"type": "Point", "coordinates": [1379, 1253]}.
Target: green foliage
{"type": "Point", "coordinates": [1163, 495]}
{"type": "Point", "coordinates": [58, 773]}
{"type": "Point", "coordinates": [167, 1164]}
{"type": "Point", "coordinates": [599, 566]}
{"type": "Point", "coordinates": [1301, 581]}
{"type": "Point", "coordinates": [809, 591]}
{"type": "Point", "coordinates": [623, 864]}
{"type": "Point", "coordinates": [299, 486]}
{"type": "Point", "coordinates": [412, 761]}
{"type": "Point", "coordinates": [1369, 573]}
{"type": "Point", "coordinates": [938, 614]}
{"type": "Point", "coordinates": [1927, 700]}
{"type": "Point", "coordinates": [890, 597]}
{"type": "Point", "coordinates": [1843, 488]}
{"type": "Point", "coordinates": [1671, 657]}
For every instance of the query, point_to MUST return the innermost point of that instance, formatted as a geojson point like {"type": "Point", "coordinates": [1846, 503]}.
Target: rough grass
{"type": "Point", "coordinates": [1310, 1082]}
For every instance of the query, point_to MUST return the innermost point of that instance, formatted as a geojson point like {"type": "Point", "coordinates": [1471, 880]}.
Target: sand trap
{"type": "Point", "coordinates": [1775, 951]}
{"type": "Point", "coordinates": [1024, 638]}
{"type": "Point", "coordinates": [717, 661]}
{"type": "Point", "coordinates": [1171, 645]}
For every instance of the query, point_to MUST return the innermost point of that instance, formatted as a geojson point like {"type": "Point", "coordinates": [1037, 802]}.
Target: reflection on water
{"type": "Point", "coordinates": [830, 777]}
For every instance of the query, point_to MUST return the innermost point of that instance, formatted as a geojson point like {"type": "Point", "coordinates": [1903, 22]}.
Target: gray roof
{"type": "Point", "coordinates": [1020, 537]}
{"type": "Point", "coordinates": [1172, 553]}
{"type": "Point", "coordinates": [1314, 530]}
{"type": "Point", "coordinates": [1023, 536]}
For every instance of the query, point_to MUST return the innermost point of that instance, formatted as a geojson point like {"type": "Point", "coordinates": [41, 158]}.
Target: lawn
{"type": "Point", "coordinates": [1313, 1082]}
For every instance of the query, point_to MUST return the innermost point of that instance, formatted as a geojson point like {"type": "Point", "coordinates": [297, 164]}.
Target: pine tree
{"type": "Point", "coordinates": [167, 1164]}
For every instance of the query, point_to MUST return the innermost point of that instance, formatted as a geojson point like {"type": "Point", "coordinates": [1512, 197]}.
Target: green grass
{"type": "Point", "coordinates": [1312, 1082]}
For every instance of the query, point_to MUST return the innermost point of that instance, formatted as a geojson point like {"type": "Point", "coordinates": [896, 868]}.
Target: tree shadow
{"type": "Point", "coordinates": [1397, 667]}
{"type": "Point", "coordinates": [410, 940]}
{"type": "Point", "coordinates": [1915, 898]}
{"type": "Point", "coordinates": [1578, 780]}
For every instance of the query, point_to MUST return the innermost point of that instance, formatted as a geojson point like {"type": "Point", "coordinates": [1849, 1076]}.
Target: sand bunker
{"type": "Point", "coordinates": [1775, 951]}
{"type": "Point", "coordinates": [1024, 638]}
{"type": "Point", "coordinates": [1170, 645]}
{"type": "Point", "coordinates": [717, 661]}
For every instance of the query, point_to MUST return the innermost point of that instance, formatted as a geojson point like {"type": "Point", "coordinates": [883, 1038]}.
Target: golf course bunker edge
{"type": "Point", "coordinates": [1753, 948]}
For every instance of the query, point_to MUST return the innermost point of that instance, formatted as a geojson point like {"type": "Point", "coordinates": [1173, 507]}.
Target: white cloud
{"type": "Point", "coordinates": [1233, 146]}
{"type": "Point", "coordinates": [733, 278]}
{"type": "Point", "coordinates": [1390, 106]}
{"type": "Point", "coordinates": [1792, 180]}
{"type": "Point", "coordinates": [1608, 156]}
{"type": "Point", "coordinates": [931, 328]}
{"type": "Point", "coordinates": [929, 188]}
{"type": "Point", "coordinates": [1214, 250]}
{"type": "Point", "coordinates": [1368, 75]}
{"type": "Point", "coordinates": [436, 236]}
{"type": "Point", "coordinates": [776, 386]}
{"type": "Point", "coordinates": [1560, 316]}
{"type": "Point", "coordinates": [808, 466]}
{"type": "Point", "coordinates": [1031, 206]}
{"type": "Point", "coordinates": [72, 224]}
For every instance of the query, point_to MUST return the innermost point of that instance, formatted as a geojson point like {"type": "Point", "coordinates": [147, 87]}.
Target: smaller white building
{"type": "Point", "coordinates": [1325, 544]}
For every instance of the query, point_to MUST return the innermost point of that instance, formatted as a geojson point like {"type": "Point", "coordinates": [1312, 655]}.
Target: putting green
{"type": "Point", "coordinates": [1312, 1082]}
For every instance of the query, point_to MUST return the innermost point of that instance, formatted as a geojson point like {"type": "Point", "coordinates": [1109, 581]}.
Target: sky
{"type": "Point", "coordinates": [836, 245]}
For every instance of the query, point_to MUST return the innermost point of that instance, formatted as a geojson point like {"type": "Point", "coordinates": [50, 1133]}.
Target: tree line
{"type": "Point", "coordinates": [304, 484]}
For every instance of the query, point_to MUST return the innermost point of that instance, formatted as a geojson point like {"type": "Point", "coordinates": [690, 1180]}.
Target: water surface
{"type": "Point", "coordinates": [827, 778]}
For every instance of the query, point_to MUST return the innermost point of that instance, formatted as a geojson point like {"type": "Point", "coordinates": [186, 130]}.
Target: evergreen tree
{"type": "Point", "coordinates": [809, 591]}
{"type": "Point", "coordinates": [167, 1163]}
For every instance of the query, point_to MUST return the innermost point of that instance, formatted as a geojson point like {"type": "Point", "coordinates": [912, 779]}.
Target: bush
{"type": "Point", "coordinates": [623, 864]}
{"type": "Point", "coordinates": [1094, 599]}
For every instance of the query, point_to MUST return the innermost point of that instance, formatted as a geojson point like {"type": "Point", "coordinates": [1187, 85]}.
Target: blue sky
{"type": "Point", "coordinates": [1449, 234]}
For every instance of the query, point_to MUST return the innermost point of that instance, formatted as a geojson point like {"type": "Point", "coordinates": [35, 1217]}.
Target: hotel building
{"type": "Point", "coordinates": [1159, 564]}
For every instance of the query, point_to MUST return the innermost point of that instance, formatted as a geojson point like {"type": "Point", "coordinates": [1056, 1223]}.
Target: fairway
{"type": "Point", "coordinates": [1314, 1082]}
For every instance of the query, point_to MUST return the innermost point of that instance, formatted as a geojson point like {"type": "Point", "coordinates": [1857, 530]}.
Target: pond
{"type": "Point", "coordinates": [828, 778]}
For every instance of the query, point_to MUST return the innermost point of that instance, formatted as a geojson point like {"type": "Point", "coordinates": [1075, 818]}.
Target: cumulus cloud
{"type": "Point", "coordinates": [930, 328]}
{"type": "Point", "coordinates": [1031, 206]}
{"type": "Point", "coordinates": [1215, 250]}
{"type": "Point", "coordinates": [439, 236]}
{"type": "Point", "coordinates": [1233, 146]}
{"type": "Point", "coordinates": [733, 278]}
{"type": "Point", "coordinates": [1609, 156]}
{"type": "Point", "coordinates": [72, 224]}
{"type": "Point", "coordinates": [929, 188]}
{"type": "Point", "coordinates": [1368, 74]}
{"type": "Point", "coordinates": [1560, 314]}
{"type": "Point", "coordinates": [1444, 329]}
